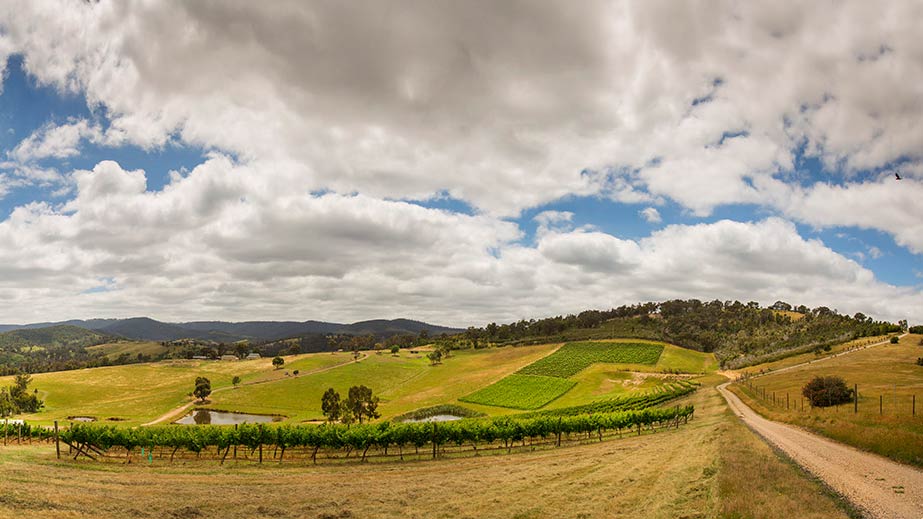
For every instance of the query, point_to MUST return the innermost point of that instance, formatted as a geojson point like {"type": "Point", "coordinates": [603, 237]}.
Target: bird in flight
{"type": "Point", "coordinates": [897, 176]}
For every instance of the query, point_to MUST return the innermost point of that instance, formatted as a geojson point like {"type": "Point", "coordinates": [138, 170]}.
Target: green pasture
{"type": "Point", "coordinates": [138, 393]}
{"type": "Point", "coordinates": [521, 392]}
{"type": "Point", "coordinates": [404, 382]}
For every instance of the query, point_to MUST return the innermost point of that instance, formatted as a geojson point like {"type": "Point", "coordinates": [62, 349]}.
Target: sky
{"type": "Point", "coordinates": [457, 162]}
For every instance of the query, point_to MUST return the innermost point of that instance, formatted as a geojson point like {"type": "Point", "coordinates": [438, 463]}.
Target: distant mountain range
{"type": "Point", "coordinates": [144, 328]}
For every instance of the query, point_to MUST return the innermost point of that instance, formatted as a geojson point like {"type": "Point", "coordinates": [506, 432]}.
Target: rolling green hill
{"type": "Point", "coordinates": [139, 393]}
{"type": "Point", "coordinates": [738, 334]}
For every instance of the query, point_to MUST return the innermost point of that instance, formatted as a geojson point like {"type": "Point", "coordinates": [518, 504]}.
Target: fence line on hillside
{"type": "Point", "coordinates": [881, 404]}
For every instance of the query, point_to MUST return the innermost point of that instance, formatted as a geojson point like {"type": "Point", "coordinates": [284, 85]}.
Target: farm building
{"type": "Point", "coordinates": [229, 357]}
{"type": "Point", "coordinates": [254, 355]}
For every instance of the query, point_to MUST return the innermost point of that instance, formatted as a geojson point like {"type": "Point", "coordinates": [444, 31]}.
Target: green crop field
{"type": "Point", "coordinates": [574, 357]}
{"type": "Point", "coordinates": [600, 370]}
{"type": "Point", "coordinates": [521, 392]}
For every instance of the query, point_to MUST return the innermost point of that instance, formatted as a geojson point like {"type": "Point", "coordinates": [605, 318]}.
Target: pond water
{"type": "Point", "coordinates": [437, 418]}
{"type": "Point", "coordinates": [81, 418]}
{"type": "Point", "coordinates": [208, 416]}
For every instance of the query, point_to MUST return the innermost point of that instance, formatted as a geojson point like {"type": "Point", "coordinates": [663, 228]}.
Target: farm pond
{"type": "Point", "coordinates": [212, 417]}
{"type": "Point", "coordinates": [436, 418]}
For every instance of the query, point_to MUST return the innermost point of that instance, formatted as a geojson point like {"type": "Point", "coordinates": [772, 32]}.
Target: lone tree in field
{"type": "Point", "coordinates": [360, 402]}
{"type": "Point", "coordinates": [278, 362]}
{"type": "Point", "coordinates": [235, 380]}
{"type": "Point", "coordinates": [203, 388]}
{"type": "Point", "coordinates": [330, 405]}
{"type": "Point", "coordinates": [827, 391]}
{"type": "Point", "coordinates": [17, 398]}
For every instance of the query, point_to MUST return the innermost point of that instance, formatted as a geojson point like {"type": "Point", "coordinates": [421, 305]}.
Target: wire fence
{"type": "Point", "coordinates": [893, 403]}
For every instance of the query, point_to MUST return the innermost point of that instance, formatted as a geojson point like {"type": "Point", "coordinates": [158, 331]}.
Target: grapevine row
{"type": "Point", "coordinates": [628, 403]}
{"type": "Point", "coordinates": [360, 438]}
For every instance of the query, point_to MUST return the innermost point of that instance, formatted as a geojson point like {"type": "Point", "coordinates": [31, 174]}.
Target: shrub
{"type": "Point", "coordinates": [827, 391]}
{"type": "Point", "coordinates": [894, 339]}
{"type": "Point", "coordinates": [919, 361]}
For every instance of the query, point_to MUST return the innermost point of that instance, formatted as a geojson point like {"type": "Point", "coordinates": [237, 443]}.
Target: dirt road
{"type": "Point", "coordinates": [883, 488]}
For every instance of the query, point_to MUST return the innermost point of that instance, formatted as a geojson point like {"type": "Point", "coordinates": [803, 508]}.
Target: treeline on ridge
{"type": "Point", "coordinates": [738, 333]}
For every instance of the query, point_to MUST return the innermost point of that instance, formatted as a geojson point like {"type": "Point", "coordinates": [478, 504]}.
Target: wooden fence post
{"type": "Point", "coordinates": [261, 442]}
{"type": "Point", "coordinates": [855, 398]}
{"type": "Point", "coordinates": [57, 441]}
{"type": "Point", "coordinates": [434, 440]}
{"type": "Point", "coordinates": [235, 445]}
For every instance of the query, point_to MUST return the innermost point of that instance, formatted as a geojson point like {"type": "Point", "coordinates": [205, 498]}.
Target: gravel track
{"type": "Point", "coordinates": [881, 487]}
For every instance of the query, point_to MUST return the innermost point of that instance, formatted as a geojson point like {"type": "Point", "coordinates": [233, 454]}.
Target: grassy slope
{"type": "Point", "coordinates": [603, 381]}
{"type": "Point", "coordinates": [133, 348]}
{"type": "Point", "coordinates": [810, 356]}
{"type": "Point", "coordinates": [704, 469]}
{"type": "Point", "coordinates": [404, 382]}
{"type": "Point", "coordinates": [888, 370]}
{"type": "Point", "coordinates": [140, 392]}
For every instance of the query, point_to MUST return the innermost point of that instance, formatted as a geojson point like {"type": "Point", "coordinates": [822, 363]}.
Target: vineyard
{"type": "Point", "coordinates": [546, 379]}
{"type": "Point", "coordinates": [574, 357]}
{"type": "Point", "coordinates": [521, 392]}
{"type": "Point", "coordinates": [628, 403]}
{"type": "Point", "coordinates": [339, 442]}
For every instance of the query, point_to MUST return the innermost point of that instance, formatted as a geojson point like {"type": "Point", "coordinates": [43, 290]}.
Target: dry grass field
{"type": "Point", "coordinates": [712, 467]}
{"type": "Point", "coordinates": [887, 377]}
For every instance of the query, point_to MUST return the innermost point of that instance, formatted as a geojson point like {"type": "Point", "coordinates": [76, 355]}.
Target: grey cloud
{"type": "Point", "coordinates": [504, 106]}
